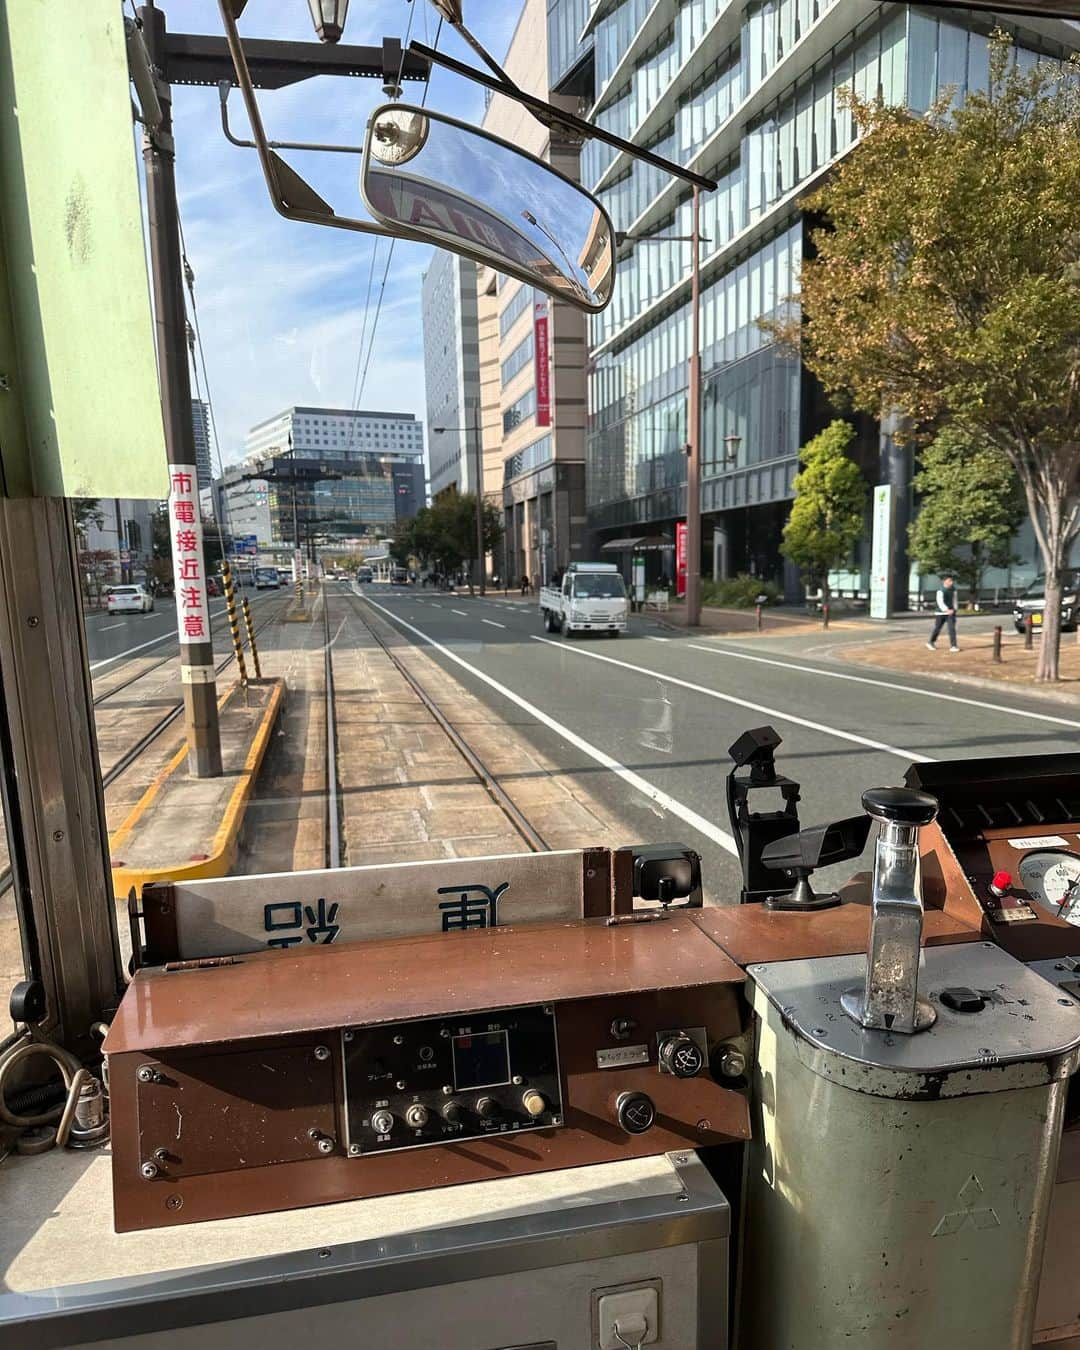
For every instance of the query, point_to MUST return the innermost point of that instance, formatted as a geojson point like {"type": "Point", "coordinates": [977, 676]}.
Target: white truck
{"type": "Point", "coordinates": [591, 599]}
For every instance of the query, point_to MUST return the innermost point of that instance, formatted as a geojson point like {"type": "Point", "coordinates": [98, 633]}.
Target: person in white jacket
{"type": "Point", "coordinates": [946, 614]}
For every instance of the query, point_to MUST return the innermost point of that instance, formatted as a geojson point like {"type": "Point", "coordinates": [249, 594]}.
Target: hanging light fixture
{"type": "Point", "coordinates": [328, 16]}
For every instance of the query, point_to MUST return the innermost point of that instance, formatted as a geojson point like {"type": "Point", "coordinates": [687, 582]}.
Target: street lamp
{"type": "Point", "coordinates": [693, 402]}
{"type": "Point", "coordinates": [475, 428]}
{"type": "Point", "coordinates": [328, 16]}
{"type": "Point", "coordinates": [731, 448]}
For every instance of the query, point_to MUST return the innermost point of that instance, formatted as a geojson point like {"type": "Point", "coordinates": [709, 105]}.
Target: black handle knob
{"type": "Point", "coordinates": [635, 1112]}
{"type": "Point", "coordinates": [901, 806]}
{"type": "Point", "coordinates": [453, 1113]}
{"type": "Point", "coordinates": [681, 1056]}
{"type": "Point", "coordinates": [487, 1108]}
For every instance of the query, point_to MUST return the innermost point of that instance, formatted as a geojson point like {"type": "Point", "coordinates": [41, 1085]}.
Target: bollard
{"type": "Point", "coordinates": [997, 645]}
{"type": "Point", "coordinates": [234, 625]}
{"type": "Point", "coordinates": [251, 637]}
{"type": "Point", "coordinates": [825, 614]}
{"type": "Point", "coordinates": [1029, 629]}
{"type": "Point", "coordinates": [760, 619]}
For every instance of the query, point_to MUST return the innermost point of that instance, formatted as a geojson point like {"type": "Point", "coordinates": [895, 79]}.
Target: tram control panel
{"type": "Point", "coordinates": [1004, 852]}
{"type": "Point", "coordinates": [450, 1079]}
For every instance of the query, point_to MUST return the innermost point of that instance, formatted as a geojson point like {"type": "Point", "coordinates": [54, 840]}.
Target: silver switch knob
{"type": "Point", "coordinates": [382, 1122]}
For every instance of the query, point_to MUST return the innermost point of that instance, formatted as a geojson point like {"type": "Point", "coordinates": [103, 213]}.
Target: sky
{"type": "Point", "coordinates": [281, 304]}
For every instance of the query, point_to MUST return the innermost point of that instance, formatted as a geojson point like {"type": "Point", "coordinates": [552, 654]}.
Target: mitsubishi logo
{"type": "Point", "coordinates": [971, 1213]}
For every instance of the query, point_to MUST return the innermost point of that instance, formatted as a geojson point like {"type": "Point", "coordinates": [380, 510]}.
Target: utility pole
{"type": "Point", "coordinates": [196, 654]}
{"type": "Point", "coordinates": [693, 429]}
{"type": "Point", "coordinates": [478, 436]}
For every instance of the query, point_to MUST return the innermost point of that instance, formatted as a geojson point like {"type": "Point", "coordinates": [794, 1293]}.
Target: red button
{"type": "Point", "coordinates": [1001, 883]}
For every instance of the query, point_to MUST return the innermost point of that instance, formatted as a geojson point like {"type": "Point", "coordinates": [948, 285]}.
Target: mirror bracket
{"type": "Point", "coordinates": [553, 117]}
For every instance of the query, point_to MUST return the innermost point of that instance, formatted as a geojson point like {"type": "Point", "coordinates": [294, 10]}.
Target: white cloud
{"type": "Point", "coordinates": [281, 304]}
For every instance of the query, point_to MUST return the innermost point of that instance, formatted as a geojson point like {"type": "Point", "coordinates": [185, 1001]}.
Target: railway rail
{"type": "Point", "coordinates": [161, 725]}
{"type": "Point", "coordinates": [498, 794]}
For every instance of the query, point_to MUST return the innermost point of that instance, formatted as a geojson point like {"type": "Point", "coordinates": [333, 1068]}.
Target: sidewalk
{"type": "Point", "coordinates": [973, 663]}
{"type": "Point", "coordinates": [775, 620]}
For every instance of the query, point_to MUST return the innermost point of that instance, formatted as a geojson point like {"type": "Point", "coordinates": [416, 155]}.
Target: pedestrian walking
{"type": "Point", "coordinates": [525, 585]}
{"type": "Point", "coordinates": [946, 614]}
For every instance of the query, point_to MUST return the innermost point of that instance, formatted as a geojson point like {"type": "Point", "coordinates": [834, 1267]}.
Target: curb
{"type": "Point", "coordinates": [223, 849]}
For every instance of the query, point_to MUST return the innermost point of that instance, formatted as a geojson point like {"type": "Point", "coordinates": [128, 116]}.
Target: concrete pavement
{"type": "Point", "coordinates": [647, 720]}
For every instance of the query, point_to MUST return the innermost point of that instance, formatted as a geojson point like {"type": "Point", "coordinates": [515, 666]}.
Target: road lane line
{"type": "Point", "coordinates": [435, 603]}
{"type": "Point", "coordinates": [169, 633]}
{"type": "Point", "coordinates": [888, 684]}
{"type": "Point", "coordinates": [110, 626]}
{"type": "Point", "coordinates": [462, 612]}
{"type": "Point", "coordinates": [493, 623]}
{"type": "Point", "coordinates": [676, 808]}
{"type": "Point", "coordinates": [656, 639]}
{"type": "Point", "coordinates": [744, 703]}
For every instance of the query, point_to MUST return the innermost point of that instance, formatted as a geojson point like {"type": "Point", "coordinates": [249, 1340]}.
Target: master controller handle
{"type": "Point", "coordinates": [889, 999]}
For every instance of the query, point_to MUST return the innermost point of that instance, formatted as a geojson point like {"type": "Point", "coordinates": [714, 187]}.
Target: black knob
{"type": "Point", "coordinates": [636, 1112]}
{"type": "Point", "coordinates": [681, 1056]}
{"type": "Point", "coordinates": [487, 1108]}
{"type": "Point", "coordinates": [453, 1113]}
{"type": "Point", "coordinates": [903, 806]}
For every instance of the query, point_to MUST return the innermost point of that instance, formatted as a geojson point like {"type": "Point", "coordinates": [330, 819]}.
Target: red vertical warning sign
{"type": "Point", "coordinates": [680, 557]}
{"type": "Point", "coordinates": [542, 363]}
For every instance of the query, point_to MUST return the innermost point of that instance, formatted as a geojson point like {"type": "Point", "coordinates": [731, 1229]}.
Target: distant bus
{"type": "Point", "coordinates": [364, 574]}
{"type": "Point", "coordinates": [399, 576]}
{"type": "Point", "coordinates": [267, 578]}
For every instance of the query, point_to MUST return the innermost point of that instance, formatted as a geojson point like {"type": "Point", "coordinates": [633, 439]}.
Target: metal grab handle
{"type": "Point", "coordinates": [889, 999]}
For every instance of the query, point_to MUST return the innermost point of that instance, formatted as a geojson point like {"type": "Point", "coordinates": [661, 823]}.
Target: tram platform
{"type": "Point", "coordinates": [188, 828]}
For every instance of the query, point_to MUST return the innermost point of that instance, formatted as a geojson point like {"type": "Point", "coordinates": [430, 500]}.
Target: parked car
{"type": "Point", "coordinates": [129, 600]}
{"type": "Point", "coordinates": [1033, 602]}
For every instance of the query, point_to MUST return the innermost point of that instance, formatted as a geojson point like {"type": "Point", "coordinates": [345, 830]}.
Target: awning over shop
{"type": "Point", "coordinates": [647, 543]}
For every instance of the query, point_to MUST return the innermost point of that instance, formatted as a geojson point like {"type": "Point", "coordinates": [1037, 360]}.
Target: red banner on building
{"type": "Point", "coordinates": [542, 363]}
{"type": "Point", "coordinates": [680, 557]}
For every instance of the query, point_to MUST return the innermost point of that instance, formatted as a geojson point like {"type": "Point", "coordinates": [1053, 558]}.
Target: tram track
{"type": "Point", "coordinates": [498, 794]}
{"type": "Point", "coordinates": [135, 751]}
{"type": "Point", "coordinates": [335, 839]}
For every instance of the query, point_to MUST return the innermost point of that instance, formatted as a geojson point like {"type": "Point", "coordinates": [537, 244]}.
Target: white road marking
{"type": "Point", "coordinates": [889, 684]}
{"type": "Point", "coordinates": [778, 713]}
{"type": "Point", "coordinates": [656, 639]}
{"type": "Point", "coordinates": [493, 623]}
{"type": "Point", "coordinates": [654, 794]}
{"type": "Point", "coordinates": [462, 612]}
{"type": "Point", "coordinates": [169, 633]}
{"type": "Point", "coordinates": [110, 626]}
{"type": "Point", "coordinates": [434, 602]}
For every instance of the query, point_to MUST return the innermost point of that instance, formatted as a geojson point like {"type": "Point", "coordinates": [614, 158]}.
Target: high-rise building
{"type": "Point", "coordinates": [749, 94]}
{"type": "Point", "coordinates": [537, 399]}
{"type": "Point", "coordinates": [345, 473]}
{"type": "Point", "coordinates": [200, 422]}
{"type": "Point", "coordinates": [451, 371]}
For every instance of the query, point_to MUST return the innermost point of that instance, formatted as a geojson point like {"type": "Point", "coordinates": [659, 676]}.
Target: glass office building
{"type": "Point", "coordinates": [747, 93]}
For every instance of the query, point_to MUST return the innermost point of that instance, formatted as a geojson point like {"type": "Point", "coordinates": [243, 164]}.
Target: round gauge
{"type": "Point", "coordinates": [1052, 879]}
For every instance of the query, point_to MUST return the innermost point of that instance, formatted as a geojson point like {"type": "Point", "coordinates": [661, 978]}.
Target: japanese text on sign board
{"type": "Point", "coordinates": [189, 567]}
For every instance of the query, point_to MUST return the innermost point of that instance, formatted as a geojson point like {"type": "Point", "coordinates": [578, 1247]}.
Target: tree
{"type": "Point", "coordinates": [86, 511]}
{"type": "Point", "coordinates": [972, 505]}
{"type": "Point", "coordinates": [945, 284]}
{"type": "Point", "coordinates": [829, 510]}
{"type": "Point", "coordinates": [443, 536]}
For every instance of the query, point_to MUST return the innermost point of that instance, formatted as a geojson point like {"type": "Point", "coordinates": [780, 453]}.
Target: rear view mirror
{"type": "Point", "coordinates": [427, 176]}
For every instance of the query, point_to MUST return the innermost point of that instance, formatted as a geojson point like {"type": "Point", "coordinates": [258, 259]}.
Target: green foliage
{"type": "Point", "coordinates": [946, 283]}
{"type": "Point", "coordinates": [740, 592]}
{"type": "Point", "coordinates": [972, 505]}
{"type": "Point", "coordinates": [87, 511]}
{"type": "Point", "coordinates": [443, 536]}
{"type": "Point", "coordinates": [830, 504]}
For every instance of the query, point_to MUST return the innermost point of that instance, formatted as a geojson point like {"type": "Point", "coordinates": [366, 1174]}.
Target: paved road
{"type": "Point", "coordinates": [111, 637]}
{"type": "Point", "coordinates": [648, 720]}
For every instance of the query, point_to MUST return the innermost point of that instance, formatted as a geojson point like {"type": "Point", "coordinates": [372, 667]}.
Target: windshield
{"type": "Point", "coordinates": [605, 586]}
{"type": "Point", "coordinates": [1037, 589]}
